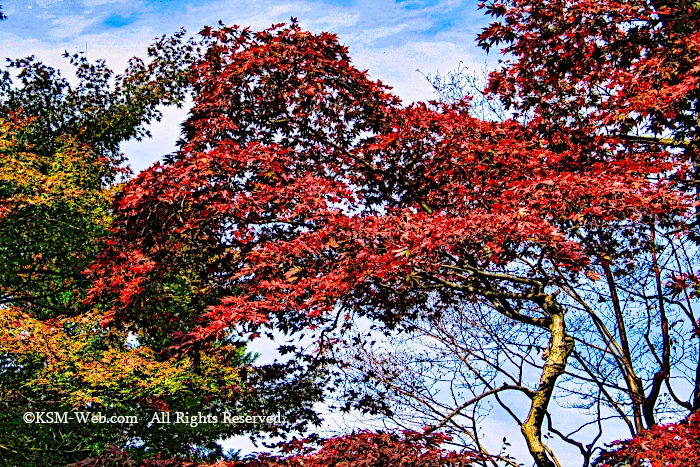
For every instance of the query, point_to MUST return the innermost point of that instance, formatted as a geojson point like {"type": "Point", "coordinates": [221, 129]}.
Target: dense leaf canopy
{"type": "Point", "coordinates": [303, 193]}
{"type": "Point", "coordinates": [559, 243]}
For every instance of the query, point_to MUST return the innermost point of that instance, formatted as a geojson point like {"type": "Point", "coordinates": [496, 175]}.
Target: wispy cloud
{"type": "Point", "coordinates": [47, 3]}
{"type": "Point", "coordinates": [337, 20]}
{"type": "Point", "coordinates": [92, 3]}
{"type": "Point", "coordinates": [68, 26]}
{"type": "Point", "coordinates": [371, 35]}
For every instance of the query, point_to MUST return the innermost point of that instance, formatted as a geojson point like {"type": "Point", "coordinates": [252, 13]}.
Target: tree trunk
{"type": "Point", "coordinates": [559, 350]}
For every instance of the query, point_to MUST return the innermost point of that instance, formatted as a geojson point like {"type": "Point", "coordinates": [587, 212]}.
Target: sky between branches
{"type": "Point", "coordinates": [391, 39]}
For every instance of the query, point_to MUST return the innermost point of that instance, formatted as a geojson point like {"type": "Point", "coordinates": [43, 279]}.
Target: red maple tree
{"type": "Point", "coordinates": [627, 67]}
{"type": "Point", "coordinates": [303, 191]}
{"type": "Point", "coordinates": [670, 445]}
{"type": "Point", "coordinates": [407, 449]}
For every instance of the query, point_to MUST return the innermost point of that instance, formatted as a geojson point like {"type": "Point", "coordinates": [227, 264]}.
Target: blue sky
{"type": "Point", "coordinates": [391, 39]}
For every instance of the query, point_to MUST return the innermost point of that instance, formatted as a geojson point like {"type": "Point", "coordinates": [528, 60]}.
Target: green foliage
{"type": "Point", "coordinates": [60, 146]}
{"type": "Point", "coordinates": [60, 167]}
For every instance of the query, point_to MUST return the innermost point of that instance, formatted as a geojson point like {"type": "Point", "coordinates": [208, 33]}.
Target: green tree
{"type": "Point", "coordinates": [60, 167]}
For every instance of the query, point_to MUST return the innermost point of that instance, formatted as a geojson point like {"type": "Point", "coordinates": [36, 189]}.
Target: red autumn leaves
{"type": "Point", "coordinates": [303, 186]}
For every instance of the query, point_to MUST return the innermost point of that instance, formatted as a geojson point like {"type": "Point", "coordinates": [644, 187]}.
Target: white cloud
{"type": "Point", "coordinates": [164, 136]}
{"type": "Point", "coordinates": [264, 14]}
{"type": "Point", "coordinates": [69, 26]}
{"type": "Point", "coordinates": [337, 20]}
{"type": "Point", "coordinates": [371, 35]}
{"type": "Point", "coordinates": [280, 10]}
{"type": "Point", "coordinates": [398, 66]}
{"type": "Point", "coordinates": [91, 3]}
{"type": "Point", "coordinates": [46, 3]}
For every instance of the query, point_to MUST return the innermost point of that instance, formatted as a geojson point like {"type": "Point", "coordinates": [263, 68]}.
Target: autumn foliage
{"type": "Point", "coordinates": [305, 196]}
{"type": "Point", "coordinates": [407, 449]}
{"type": "Point", "coordinates": [296, 209]}
{"type": "Point", "coordinates": [58, 174]}
{"type": "Point", "coordinates": [622, 65]}
{"type": "Point", "coordinates": [304, 192]}
{"type": "Point", "coordinates": [668, 445]}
